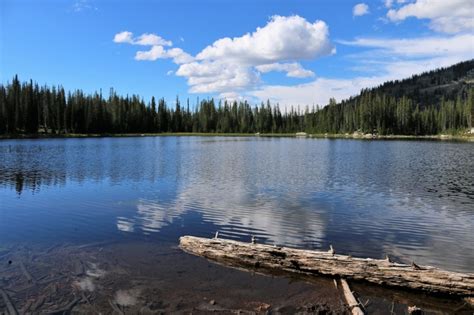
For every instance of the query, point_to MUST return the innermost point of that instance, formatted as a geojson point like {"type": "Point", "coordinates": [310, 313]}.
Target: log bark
{"type": "Point", "coordinates": [308, 262]}
{"type": "Point", "coordinates": [350, 299]}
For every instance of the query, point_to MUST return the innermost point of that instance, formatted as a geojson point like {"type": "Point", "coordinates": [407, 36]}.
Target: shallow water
{"type": "Point", "coordinates": [411, 200]}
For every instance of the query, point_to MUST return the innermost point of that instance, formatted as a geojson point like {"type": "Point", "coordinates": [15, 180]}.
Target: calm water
{"type": "Point", "coordinates": [412, 200]}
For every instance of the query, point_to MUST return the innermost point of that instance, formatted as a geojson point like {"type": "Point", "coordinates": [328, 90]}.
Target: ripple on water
{"type": "Point", "coordinates": [412, 200]}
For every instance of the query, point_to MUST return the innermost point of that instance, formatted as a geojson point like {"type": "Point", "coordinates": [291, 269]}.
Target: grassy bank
{"type": "Point", "coordinates": [118, 135]}
{"type": "Point", "coordinates": [459, 137]}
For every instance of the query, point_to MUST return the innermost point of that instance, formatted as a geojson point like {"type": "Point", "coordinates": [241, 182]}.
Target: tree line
{"type": "Point", "coordinates": [373, 112]}
{"type": "Point", "coordinates": [27, 108]}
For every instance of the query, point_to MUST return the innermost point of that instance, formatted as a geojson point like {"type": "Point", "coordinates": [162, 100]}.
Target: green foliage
{"type": "Point", "coordinates": [439, 101]}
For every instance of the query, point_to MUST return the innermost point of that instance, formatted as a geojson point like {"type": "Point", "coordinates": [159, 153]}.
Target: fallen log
{"type": "Point", "coordinates": [350, 299]}
{"type": "Point", "coordinates": [27, 274]}
{"type": "Point", "coordinates": [66, 309]}
{"type": "Point", "coordinates": [11, 309]}
{"type": "Point", "coordinates": [309, 262]}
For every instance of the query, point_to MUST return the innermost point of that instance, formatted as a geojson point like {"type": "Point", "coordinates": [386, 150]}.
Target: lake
{"type": "Point", "coordinates": [410, 200]}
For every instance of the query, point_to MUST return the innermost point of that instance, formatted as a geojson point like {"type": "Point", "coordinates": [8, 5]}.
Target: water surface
{"type": "Point", "coordinates": [100, 218]}
{"type": "Point", "coordinates": [411, 200]}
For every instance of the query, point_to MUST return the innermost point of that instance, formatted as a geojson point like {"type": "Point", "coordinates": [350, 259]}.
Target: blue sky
{"type": "Point", "coordinates": [303, 52]}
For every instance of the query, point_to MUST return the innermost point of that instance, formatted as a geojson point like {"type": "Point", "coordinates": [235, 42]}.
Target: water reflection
{"type": "Point", "coordinates": [31, 164]}
{"type": "Point", "coordinates": [411, 200]}
{"type": "Point", "coordinates": [275, 222]}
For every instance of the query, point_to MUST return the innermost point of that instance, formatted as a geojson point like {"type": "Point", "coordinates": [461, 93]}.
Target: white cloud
{"type": "Point", "coordinates": [360, 9]}
{"type": "Point", "coordinates": [144, 39]}
{"type": "Point", "coordinates": [283, 38]}
{"type": "Point", "coordinates": [124, 37]}
{"type": "Point", "coordinates": [232, 67]}
{"type": "Point", "coordinates": [233, 64]}
{"type": "Point", "coordinates": [83, 5]}
{"type": "Point", "coordinates": [294, 69]}
{"type": "Point", "coordinates": [388, 59]}
{"type": "Point", "coordinates": [231, 96]}
{"type": "Point", "coordinates": [159, 52]}
{"type": "Point", "coordinates": [317, 92]}
{"type": "Point", "coordinates": [459, 45]}
{"type": "Point", "coordinates": [155, 52]}
{"type": "Point", "coordinates": [179, 56]}
{"type": "Point", "coordinates": [151, 39]}
{"type": "Point", "coordinates": [217, 77]}
{"type": "Point", "coordinates": [157, 49]}
{"type": "Point", "coordinates": [451, 16]}
{"type": "Point", "coordinates": [406, 68]}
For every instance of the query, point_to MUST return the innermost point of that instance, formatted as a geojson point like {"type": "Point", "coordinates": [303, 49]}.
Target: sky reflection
{"type": "Point", "coordinates": [410, 200]}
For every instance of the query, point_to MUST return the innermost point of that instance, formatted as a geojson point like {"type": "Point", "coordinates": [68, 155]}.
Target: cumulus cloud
{"type": "Point", "coordinates": [145, 39]}
{"type": "Point", "coordinates": [218, 76]}
{"type": "Point", "coordinates": [294, 69]}
{"type": "Point", "coordinates": [283, 38]}
{"type": "Point", "coordinates": [157, 49]}
{"type": "Point", "coordinates": [179, 56]}
{"type": "Point", "coordinates": [451, 16]}
{"type": "Point", "coordinates": [387, 59]}
{"type": "Point", "coordinates": [234, 68]}
{"type": "Point", "coordinates": [152, 39]}
{"type": "Point", "coordinates": [124, 37]}
{"type": "Point", "coordinates": [388, 3]}
{"type": "Point", "coordinates": [155, 52]}
{"type": "Point", "coordinates": [233, 64]}
{"type": "Point", "coordinates": [159, 52]}
{"type": "Point", "coordinates": [360, 9]}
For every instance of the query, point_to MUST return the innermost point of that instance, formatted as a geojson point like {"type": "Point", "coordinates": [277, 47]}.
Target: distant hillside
{"type": "Point", "coordinates": [428, 88]}
{"type": "Point", "coordinates": [439, 101]}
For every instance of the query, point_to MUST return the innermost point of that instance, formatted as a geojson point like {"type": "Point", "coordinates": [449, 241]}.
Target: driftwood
{"type": "Point", "coordinates": [116, 308]}
{"type": "Point", "coordinates": [10, 306]}
{"type": "Point", "coordinates": [66, 309]}
{"type": "Point", "coordinates": [308, 262]}
{"type": "Point", "coordinates": [27, 274]}
{"type": "Point", "coordinates": [350, 299]}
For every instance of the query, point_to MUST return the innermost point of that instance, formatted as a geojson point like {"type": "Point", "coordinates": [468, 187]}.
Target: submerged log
{"type": "Point", "coordinates": [309, 262]}
{"type": "Point", "coordinates": [350, 299]}
{"type": "Point", "coordinates": [11, 309]}
{"type": "Point", "coordinates": [27, 273]}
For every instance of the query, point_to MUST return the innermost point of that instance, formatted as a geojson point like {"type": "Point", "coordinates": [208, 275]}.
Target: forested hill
{"type": "Point", "coordinates": [429, 88]}
{"type": "Point", "coordinates": [440, 101]}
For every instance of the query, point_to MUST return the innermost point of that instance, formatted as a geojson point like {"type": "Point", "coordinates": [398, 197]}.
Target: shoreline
{"type": "Point", "coordinates": [443, 137]}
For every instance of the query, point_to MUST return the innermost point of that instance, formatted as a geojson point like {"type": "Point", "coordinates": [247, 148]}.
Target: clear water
{"type": "Point", "coordinates": [411, 200]}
